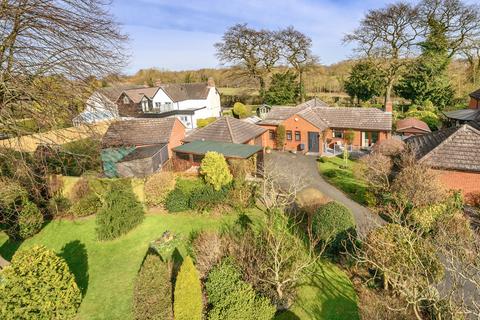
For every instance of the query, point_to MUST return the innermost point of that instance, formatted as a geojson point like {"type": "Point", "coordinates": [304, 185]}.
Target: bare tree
{"type": "Point", "coordinates": [255, 51]}
{"type": "Point", "coordinates": [296, 50]}
{"type": "Point", "coordinates": [50, 50]}
{"type": "Point", "coordinates": [388, 35]}
{"type": "Point", "coordinates": [471, 52]}
{"type": "Point", "coordinates": [461, 20]}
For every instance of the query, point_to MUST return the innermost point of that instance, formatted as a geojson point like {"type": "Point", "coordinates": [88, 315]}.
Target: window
{"type": "Point", "coordinates": [374, 137]}
{"type": "Point", "coordinates": [145, 105]}
{"type": "Point", "coordinates": [272, 134]}
{"type": "Point", "coordinates": [298, 136]}
{"type": "Point", "coordinates": [125, 100]}
{"type": "Point", "coordinates": [289, 135]}
{"type": "Point", "coordinates": [337, 134]}
{"type": "Point", "coordinates": [158, 105]}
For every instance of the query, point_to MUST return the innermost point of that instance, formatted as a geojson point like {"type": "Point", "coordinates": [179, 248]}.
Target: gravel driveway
{"type": "Point", "coordinates": [297, 167]}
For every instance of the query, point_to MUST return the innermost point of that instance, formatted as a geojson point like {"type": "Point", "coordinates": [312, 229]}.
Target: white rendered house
{"type": "Point", "coordinates": [186, 101]}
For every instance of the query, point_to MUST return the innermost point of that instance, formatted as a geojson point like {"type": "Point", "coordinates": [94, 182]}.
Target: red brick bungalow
{"type": "Point", "coordinates": [455, 154]}
{"type": "Point", "coordinates": [314, 126]}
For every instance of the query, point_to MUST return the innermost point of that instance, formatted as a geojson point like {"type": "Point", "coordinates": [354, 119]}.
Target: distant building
{"type": "Point", "coordinates": [411, 127]}
{"type": "Point", "coordinates": [101, 105]}
{"type": "Point", "coordinates": [472, 113]}
{"type": "Point", "coordinates": [187, 102]}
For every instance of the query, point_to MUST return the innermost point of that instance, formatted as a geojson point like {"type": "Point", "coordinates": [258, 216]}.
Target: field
{"type": "Point", "coordinates": [105, 271]}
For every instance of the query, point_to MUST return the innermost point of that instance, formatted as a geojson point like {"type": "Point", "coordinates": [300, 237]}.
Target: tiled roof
{"type": "Point", "coordinates": [356, 118]}
{"type": "Point", "coordinates": [456, 148]}
{"type": "Point", "coordinates": [143, 152]}
{"type": "Point", "coordinates": [226, 129]}
{"type": "Point", "coordinates": [186, 91]}
{"type": "Point", "coordinates": [322, 116]}
{"type": "Point", "coordinates": [138, 132]}
{"type": "Point", "coordinates": [464, 114]}
{"type": "Point", "coordinates": [137, 94]}
{"type": "Point", "coordinates": [475, 94]}
{"type": "Point", "coordinates": [409, 123]}
{"type": "Point", "coordinates": [112, 93]}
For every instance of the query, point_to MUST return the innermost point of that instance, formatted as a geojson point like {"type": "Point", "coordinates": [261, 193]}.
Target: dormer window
{"type": "Point", "coordinates": [125, 100]}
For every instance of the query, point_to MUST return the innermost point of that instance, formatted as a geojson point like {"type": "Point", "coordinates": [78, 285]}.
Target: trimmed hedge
{"type": "Point", "coordinates": [158, 186]}
{"type": "Point", "coordinates": [120, 213]}
{"type": "Point", "coordinates": [30, 220]}
{"type": "Point", "coordinates": [88, 205]}
{"type": "Point", "coordinates": [232, 298]}
{"type": "Point", "coordinates": [38, 285]}
{"type": "Point", "coordinates": [152, 296]}
{"type": "Point", "coordinates": [188, 293]}
{"type": "Point", "coordinates": [333, 222]}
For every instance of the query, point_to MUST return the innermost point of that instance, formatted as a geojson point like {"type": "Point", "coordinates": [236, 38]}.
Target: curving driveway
{"type": "Point", "coordinates": [295, 168]}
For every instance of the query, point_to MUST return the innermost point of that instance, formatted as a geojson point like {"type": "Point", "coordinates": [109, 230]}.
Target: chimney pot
{"type": "Point", "coordinates": [211, 82]}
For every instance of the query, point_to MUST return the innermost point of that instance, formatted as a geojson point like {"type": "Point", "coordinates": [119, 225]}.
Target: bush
{"type": "Point", "coordinates": [240, 168]}
{"type": "Point", "coordinates": [232, 298]}
{"type": "Point", "coordinates": [205, 122]}
{"type": "Point", "coordinates": [215, 170]}
{"type": "Point", "coordinates": [30, 220]}
{"type": "Point", "coordinates": [38, 285]}
{"type": "Point", "coordinates": [158, 186]}
{"type": "Point", "coordinates": [88, 205]}
{"type": "Point", "coordinates": [241, 195]}
{"type": "Point", "coordinates": [177, 201]}
{"type": "Point", "coordinates": [310, 199]}
{"type": "Point", "coordinates": [188, 293]}
{"type": "Point", "coordinates": [241, 110]}
{"type": "Point", "coordinates": [208, 251]}
{"type": "Point", "coordinates": [333, 222]}
{"type": "Point", "coordinates": [280, 136]}
{"type": "Point", "coordinates": [120, 213]}
{"type": "Point", "coordinates": [152, 296]}
{"type": "Point", "coordinates": [80, 189]}
{"type": "Point", "coordinates": [58, 205]}
{"type": "Point", "coordinates": [206, 197]}
{"type": "Point", "coordinates": [425, 217]}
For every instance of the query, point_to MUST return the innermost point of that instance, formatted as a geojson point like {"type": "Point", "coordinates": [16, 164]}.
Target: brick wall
{"type": "Point", "coordinates": [467, 182]}
{"type": "Point", "coordinates": [177, 136]}
{"type": "Point", "coordinates": [474, 104]}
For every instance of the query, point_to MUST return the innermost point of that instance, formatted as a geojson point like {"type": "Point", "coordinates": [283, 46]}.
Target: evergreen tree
{"type": "Point", "coordinates": [365, 81]}
{"type": "Point", "coordinates": [284, 89]}
{"type": "Point", "coordinates": [427, 79]}
{"type": "Point", "coordinates": [188, 303]}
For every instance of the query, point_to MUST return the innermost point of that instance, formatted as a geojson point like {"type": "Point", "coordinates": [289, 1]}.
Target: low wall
{"type": "Point", "coordinates": [467, 182]}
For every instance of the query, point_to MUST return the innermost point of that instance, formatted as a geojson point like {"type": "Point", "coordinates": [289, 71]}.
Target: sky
{"type": "Point", "coordinates": [179, 35]}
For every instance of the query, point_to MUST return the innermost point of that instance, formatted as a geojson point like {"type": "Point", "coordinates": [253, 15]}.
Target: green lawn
{"type": "Point", "coordinates": [333, 170]}
{"type": "Point", "coordinates": [105, 271]}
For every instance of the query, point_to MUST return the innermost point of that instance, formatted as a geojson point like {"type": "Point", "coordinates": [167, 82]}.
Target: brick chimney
{"type": "Point", "coordinates": [158, 83]}
{"type": "Point", "coordinates": [389, 106]}
{"type": "Point", "coordinates": [211, 82]}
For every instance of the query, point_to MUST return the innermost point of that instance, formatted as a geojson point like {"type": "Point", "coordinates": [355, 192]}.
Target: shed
{"type": "Point", "coordinates": [412, 127]}
{"type": "Point", "coordinates": [196, 150]}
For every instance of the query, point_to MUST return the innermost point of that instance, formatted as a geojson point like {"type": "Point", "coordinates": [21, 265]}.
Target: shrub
{"type": "Point", "coordinates": [205, 122]}
{"type": "Point", "coordinates": [280, 136]}
{"type": "Point", "coordinates": [188, 293]}
{"type": "Point", "coordinates": [120, 212]}
{"type": "Point", "coordinates": [158, 186]}
{"type": "Point", "coordinates": [30, 220]}
{"type": "Point", "coordinates": [241, 195]}
{"type": "Point", "coordinates": [152, 296]}
{"type": "Point", "coordinates": [389, 147]}
{"type": "Point", "coordinates": [206, 197]}
{"type": "Point", "coordinates": [208, 251]}
{"type": "Point", "coordinates": [80, 189]}
{"type": "Point", "coordinates": [177, 201]}
{"type": "Point", "coordinates": [215, 170]}
{"type": "Point", "coordinates": [240, 168]}
{"type": "Point", "coordinates": [88, 205]}
{"type": "Point", "coordinates": [38, 285]}
{"type": "Point", "coordinates": [333, 222]}
{"type": "Point", "coordinates": [232, 298]}
{"type": "Point", "coordinates": [241, 110]}
{"type": "Point", "coordinates": [310, 199]}
{"type": "Point", "coordinates": [425, 217]}
{"type": "Point", "coordinates": [58, 205]}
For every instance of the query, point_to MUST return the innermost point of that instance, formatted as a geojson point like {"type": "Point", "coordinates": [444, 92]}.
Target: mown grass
{"type": "Point", "coordinates": [333, 169]}
{"type": "Point", "coordinates": [105, 271]}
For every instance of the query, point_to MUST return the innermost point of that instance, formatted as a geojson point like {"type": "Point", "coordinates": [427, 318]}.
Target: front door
{"type": "Point", "coordinates": [313, 142]}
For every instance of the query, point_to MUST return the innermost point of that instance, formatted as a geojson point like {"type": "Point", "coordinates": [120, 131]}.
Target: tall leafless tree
{"type": "Point", "coordinates": [49, 52]}
{"type": "Point", "coordinates": [388, 35]}
{"type": "Point", "coordinates": [256, 51]}
{"type": "Point", "coordinates": [296, 50]}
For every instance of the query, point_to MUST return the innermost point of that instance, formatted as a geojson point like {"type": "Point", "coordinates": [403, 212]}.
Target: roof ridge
{"type": "Point", "coordinates": [230, 129]}
{"type": "Point", "coordinates": [452, 134]}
